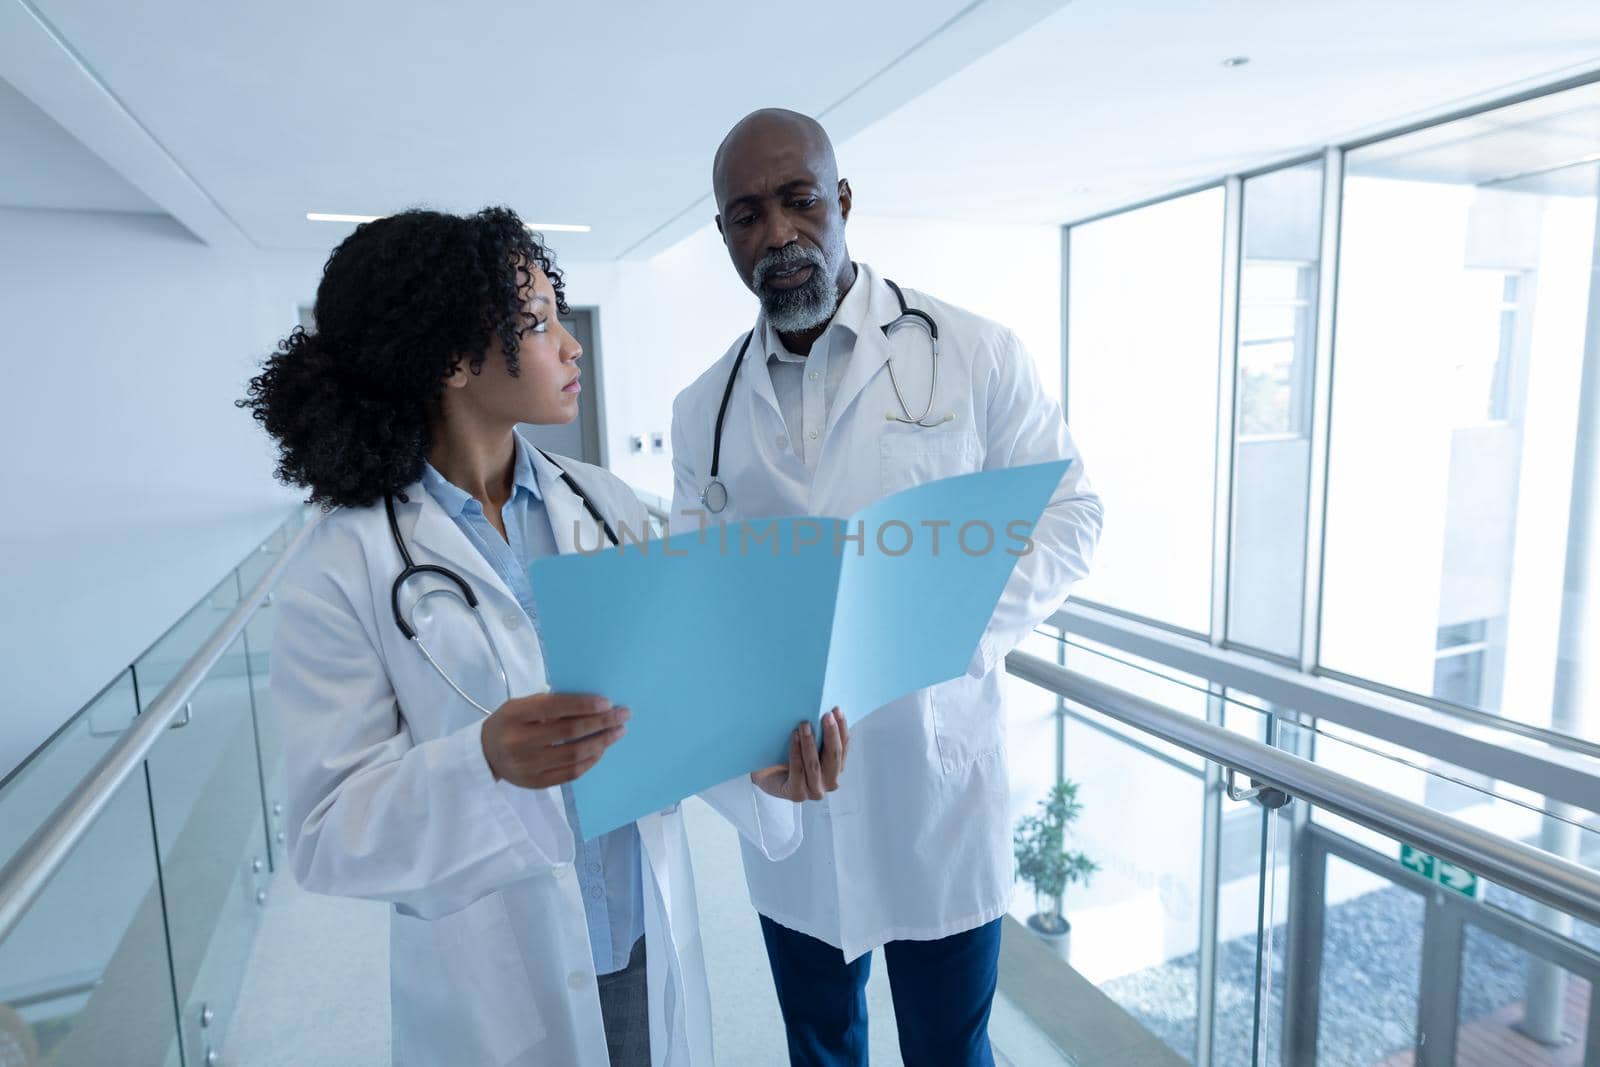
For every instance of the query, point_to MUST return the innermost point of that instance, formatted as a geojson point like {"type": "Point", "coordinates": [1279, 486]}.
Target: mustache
{"type": "Point", "coordinates": [789, 257]}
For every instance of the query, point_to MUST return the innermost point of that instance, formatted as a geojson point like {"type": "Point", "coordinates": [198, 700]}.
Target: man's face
{"type": "Point", "coordinates": [782, 215]}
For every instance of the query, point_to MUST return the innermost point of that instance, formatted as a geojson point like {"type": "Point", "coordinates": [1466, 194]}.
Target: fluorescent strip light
{"type": "Point", "coordinates": [549, 227]}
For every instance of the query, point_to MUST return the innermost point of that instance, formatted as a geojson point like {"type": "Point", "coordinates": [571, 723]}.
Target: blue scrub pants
{"type": "Point", "coordinates": [942, 991]}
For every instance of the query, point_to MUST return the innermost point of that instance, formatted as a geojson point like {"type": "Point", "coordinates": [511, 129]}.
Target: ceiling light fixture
{"type": "Point", "coordinates": [1235, 61]}
{"type": "Point", "coordinates": [547, 227]}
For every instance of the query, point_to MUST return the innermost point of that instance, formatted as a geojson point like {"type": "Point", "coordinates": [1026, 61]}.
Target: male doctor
{"type": "Point", "coordinates": [913, 850]}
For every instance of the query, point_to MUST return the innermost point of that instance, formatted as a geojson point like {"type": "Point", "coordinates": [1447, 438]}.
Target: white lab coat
{"type": "Point", "coordinates": [391, 798]}
{"type": "Point", "coordinates": [915, 844]}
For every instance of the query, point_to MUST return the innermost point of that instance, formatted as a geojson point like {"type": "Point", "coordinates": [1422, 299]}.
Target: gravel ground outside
{"type": "Point", "coordinates": [1371, 971]}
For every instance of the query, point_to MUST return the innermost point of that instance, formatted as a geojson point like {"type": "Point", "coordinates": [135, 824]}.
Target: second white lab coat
{"type": "Point", "coordinates": [916, 842]}
{"type": "Point", "coordinates": [390, 797]}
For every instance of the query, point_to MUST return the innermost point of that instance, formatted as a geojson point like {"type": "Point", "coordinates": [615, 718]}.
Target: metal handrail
{"type": "Point", "coordinates": [1536, 874]}
{"type": "Point", "coordinates": [28, 872]}
{"type": "Point", "coordinates": [1548, 763]}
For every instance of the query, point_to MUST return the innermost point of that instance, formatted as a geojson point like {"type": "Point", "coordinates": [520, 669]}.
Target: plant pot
{"type": "Point", "coordinates": [1054, 930]}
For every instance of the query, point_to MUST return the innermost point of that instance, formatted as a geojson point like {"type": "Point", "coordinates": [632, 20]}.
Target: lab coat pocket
{"type": "Point", "coordinates": [966, 726]}
{"type": "Point", "coordinates": [912, 456]}
{"type": "Point", "coordinates": [466, 966]}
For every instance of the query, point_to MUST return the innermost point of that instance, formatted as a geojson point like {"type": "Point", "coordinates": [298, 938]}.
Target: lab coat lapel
{"type": "Point", "coordinates": [435, 538]}
{"type": "Point", "coordinates": [755, 372]}
{"type": "Point", "coordinates": [871, 349]}
{"type": "Point", "coordinates": [563, 506]}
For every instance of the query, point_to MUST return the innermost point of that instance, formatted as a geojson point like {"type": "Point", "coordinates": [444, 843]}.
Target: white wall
{"type": "Point", "coordinates": [131, 482]}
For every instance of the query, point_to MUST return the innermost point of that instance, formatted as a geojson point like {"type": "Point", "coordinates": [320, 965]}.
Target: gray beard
{"type": "Point", "coordinates": [805, 308]}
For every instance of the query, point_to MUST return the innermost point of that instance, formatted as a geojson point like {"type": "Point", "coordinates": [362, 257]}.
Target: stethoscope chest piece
{"type": "Point", "coordinates": [714, 496]}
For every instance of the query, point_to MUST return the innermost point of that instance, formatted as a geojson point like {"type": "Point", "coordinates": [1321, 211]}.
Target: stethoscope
{"type": "Point", "coordinates": [715, 494]}
{"type": "Point", "coordinates": [463, 590]}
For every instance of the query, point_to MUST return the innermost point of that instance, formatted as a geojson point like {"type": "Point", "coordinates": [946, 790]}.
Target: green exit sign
{"type": "Point", "coordinates": [1441, 871]}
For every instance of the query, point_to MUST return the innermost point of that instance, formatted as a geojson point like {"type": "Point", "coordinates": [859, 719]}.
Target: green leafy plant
{"type": "Point", "coordinates": [1040, 845]}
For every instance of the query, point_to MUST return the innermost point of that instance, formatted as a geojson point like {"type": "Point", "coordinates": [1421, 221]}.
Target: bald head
{"type": "Point", "coordinates": [769, 132]}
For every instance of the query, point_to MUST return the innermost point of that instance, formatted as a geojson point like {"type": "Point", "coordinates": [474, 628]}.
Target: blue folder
{"type": "Point", "coordinates": [723, 640]}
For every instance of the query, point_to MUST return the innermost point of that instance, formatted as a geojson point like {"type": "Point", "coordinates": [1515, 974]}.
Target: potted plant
{"type": "Point", "coordinates": [1040, 843]}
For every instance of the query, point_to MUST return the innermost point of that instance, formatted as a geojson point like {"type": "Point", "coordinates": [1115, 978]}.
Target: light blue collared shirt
{"type": "Point", "coordinates": [609, 868]}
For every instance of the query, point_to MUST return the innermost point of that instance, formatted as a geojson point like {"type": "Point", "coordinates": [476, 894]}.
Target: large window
{"type": "Point", "coordinates": [1272, 444]}
{"type": "Point", "coordinates": [1464, 294]}
{"type": "Point", "coordinates": [1451, 405]}
{"type": "Point", "coordinates": [1144, 304]}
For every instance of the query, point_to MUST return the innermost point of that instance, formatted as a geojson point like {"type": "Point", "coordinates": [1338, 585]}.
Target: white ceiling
{"type": "Point", "coordinates": [589, 113]}
{"type": "Point", "coordinates": [47, 167]}
{"type": "Point", "coordinates": [238, 119]}
{"type": "Point", "coordinates": [1109, 102]}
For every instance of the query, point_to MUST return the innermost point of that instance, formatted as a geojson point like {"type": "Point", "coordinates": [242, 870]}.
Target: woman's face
{"type": "Point", "coordinates": [545, 389]}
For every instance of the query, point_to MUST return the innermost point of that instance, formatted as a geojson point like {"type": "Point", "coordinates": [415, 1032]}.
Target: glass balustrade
{"type": "Point", "coordinates": [133, 951]}
{"type": "Point", "coordinates": [1293, 936]}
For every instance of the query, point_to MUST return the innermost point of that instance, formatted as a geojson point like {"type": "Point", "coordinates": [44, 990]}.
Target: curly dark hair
{"type": "Point", "coordinates": [402, 301]}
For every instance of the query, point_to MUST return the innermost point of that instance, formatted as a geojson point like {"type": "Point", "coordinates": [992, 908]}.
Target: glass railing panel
{"type": "Point", "coordinates": [1340, 955]}
{"type": "Point", "coordinates": [1396, 956]}
{"type": "Point", "coordinates": [206, 797]}
{"type": "Point", "coordinates": [1330, 942]}
{"type": "Point", "coordinates": [1032, 743]}
{"type": "Point", "coordinates": [33, 790]}
{"type": "Point", "coordinates": [85, 976]}
{"type": "Point", "coordinates": [1136, 926]}
{"type": "Point", "coordinates": [1253, 868]}
{"type": "Point", "coordinates": [1184, 852]}
{"type": "Point", "coordinates": [162, 661]}
{"type": "Point", "coordinates": [1411, 960]}
{"type": "Point", "coordinates": [250, 572]}
{"type": "Point", "coordinates": [1511, 811]}
{"type": "Point", "coordinates": [1144, 678]}
{"type": "Point", "coordinates": [258, 640]}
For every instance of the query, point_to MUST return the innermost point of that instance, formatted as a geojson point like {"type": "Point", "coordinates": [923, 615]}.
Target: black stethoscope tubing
{"type": "Point", "coordinates": [412, 569]}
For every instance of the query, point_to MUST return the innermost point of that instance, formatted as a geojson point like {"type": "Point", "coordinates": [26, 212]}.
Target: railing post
{"type": "Point", "coordinates": [1439, 992]}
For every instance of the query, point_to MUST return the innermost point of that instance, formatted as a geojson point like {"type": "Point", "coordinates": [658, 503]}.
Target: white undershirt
{"type": "Point", "coordinates": [807, 385]}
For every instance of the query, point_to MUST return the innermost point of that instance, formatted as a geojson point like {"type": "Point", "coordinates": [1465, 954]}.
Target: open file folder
{"type": "Point", "coordinates": [723, 640]}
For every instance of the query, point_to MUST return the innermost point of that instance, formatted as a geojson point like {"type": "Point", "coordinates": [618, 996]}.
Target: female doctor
{"type": "Point", "coordinates": [426, 764]}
